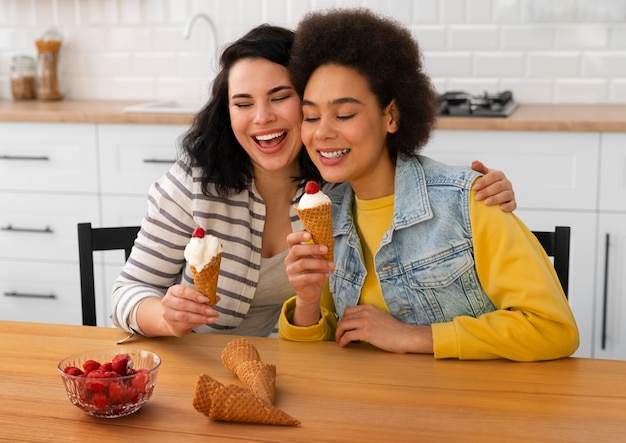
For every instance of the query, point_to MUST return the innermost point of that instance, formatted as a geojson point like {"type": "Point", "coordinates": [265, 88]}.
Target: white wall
{"type": "Point", "coordinates": [546, 51]}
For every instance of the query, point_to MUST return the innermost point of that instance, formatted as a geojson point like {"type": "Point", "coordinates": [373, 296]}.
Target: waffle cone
{"type": "Point", "coordinates": [318, 221]}
{"type": "Point", "coordinates": [206, 387]}
{"type": "Point", "coordinates": [259, 378]}
{"type": "Point", "coordinates": [238, 351]}
{"type": "Point", "coordinates": [236, 404]}
{"type": "Point", "coordinates": [206, 279]}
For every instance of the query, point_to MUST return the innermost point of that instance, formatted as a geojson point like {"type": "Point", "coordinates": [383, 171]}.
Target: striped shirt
{"type": "Point", "coordinates": [176, 205]}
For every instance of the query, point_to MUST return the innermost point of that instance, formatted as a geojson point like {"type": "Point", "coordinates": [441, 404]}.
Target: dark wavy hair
{"type": "Point", "coordinates": [210, 142]}
{"type": "Point", "coordinates": [381, 50]}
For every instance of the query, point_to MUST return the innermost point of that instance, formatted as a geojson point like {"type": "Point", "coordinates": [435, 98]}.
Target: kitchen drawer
{"type": "Point", "coordinates": [43, 227]}
{"type": "Point", "coordinates": [549, 170]}
{"type": "Point", "coordinates": [132, 157]}
{"type": "Point", "coordinates": [48, 157]}
{"type": "Point", "coordinates": [37, 291]}
{"type": "Point", "coordinates": [613, 177]}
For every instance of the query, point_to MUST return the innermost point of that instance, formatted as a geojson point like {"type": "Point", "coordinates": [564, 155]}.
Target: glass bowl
{"type": "Point", "coordinates": [97, 389]}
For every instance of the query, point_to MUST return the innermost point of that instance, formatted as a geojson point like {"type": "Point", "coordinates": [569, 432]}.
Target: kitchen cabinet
{"type": "Point", "coordinates": [555, 178]}
{"type": "Point", "coordinates": [610, 312]}
{"type": "Point", "coordinates": [131, 158]}
{"type": "Point", "coordinates": [48, 183]}
{"type": "Point", "coordinates": [53, 176]}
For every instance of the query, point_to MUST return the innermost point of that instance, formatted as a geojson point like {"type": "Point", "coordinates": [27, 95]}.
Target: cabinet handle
{"type": "Point", "coordinates": [45, 230]}
{"type": "Point", "coordinates": [27, 295]}
{"type": "Point", "coordinates": [605, 294]}
{"type": "Point", "coordinates": [158, 160]}
{"type": "Point", "coordinates": [24, 157]}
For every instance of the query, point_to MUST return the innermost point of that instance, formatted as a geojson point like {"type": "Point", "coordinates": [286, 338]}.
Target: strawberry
{"type": "Point", "coordinates": [73, 370]}
{"type": "Point", "coordinates": [100, 400]}
{"type": "Point", "coordinates": [117, 393]}
{"type": "Point", "coordinates": [122, 364]}
{"type": "Point", "coordinates": [311, 187]}
{"type": "Point", "coordinates": [106, 367]}
{"type": "Point", "coordinates": [93, 382]}
{"type": "Point", "coordinates": [139, 383]}
{"type": "Point", "coordinates": [90, 365]}
{"type": "Point", "coordinates": [198, 233]}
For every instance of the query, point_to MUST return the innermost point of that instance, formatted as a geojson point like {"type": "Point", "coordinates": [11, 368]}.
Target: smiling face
{"type": "Point", "coordinates": [345, 130]}
{"type": "Point", "coordinates": [265, 114]}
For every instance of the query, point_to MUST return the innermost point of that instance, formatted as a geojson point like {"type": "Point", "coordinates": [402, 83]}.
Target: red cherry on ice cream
{"type": "Point", "coordinates": [311, 187]}
{"type": "Point", "coordinates": [198, 233]}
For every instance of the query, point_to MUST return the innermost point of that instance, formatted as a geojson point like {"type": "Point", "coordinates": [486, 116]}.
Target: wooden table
{"type": "Point", "coordinates": [354, 394]}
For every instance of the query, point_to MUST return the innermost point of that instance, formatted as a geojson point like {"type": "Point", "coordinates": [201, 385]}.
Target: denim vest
{"type": "Point", "coordinates": [425, 261]}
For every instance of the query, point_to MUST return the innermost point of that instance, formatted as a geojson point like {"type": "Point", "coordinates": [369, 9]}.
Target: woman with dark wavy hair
{"type": "Point", "coordinates": [242, 169]}
{"type": "Point", "coordinates": [420, 265]}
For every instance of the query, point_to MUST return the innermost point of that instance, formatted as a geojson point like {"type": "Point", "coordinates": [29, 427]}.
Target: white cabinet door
{"type": "Point", "coordinates": [43, 227]}
{"type": "Point", "coordinates": [613, 176]}
{"type": "Point", "coordinates": [549, 170]}
{"type": "Point", "coordinates": [132, 157]}
{"type": "Point", "coordinates": [36, 291]}
{"type": "Point", "coordinates": [48, 157]}
{"type": "Point", "coordinates": [582, 262]}
{"type": "Point", "coordinates": [610, 341]}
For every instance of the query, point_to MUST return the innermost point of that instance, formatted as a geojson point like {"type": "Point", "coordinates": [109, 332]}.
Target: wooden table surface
{"type": "Point", "coordinates": [354, 394]}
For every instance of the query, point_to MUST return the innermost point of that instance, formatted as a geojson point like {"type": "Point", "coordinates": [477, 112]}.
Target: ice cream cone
{"type": "Point", "coordinates": [206, 279]}
{"type": "Point", "coordinates": [259, 378]}
{"type": "Point", "coordinates": [206, 386]}
{"type": "Point", "coordinates": [238, 351]}
{"type": "Point", "coordinates": [235, 403]}
{"type": "Point", "coordinates": [318, 221]}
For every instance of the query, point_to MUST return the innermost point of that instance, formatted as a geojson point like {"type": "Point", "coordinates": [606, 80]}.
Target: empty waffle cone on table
{"type": "Point", "coordinates": [251, 403]}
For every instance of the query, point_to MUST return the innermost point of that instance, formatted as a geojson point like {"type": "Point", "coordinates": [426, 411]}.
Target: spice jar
{"type": "Point", "coordinates": [48, 47]}
{"type": "Point", "coordinates": [23, 72]}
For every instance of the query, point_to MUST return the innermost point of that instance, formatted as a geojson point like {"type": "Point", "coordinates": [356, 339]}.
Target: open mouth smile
{"type": "Point", "coordinates": [268, 138]}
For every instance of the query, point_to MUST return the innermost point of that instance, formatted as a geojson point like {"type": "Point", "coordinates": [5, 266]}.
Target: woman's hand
{"type": "Point", "coordinates": [377, 327]}
{"type": "Point", "coordinates": [183, 308]}
{"type": "Point", "coordinates": [307, 271]}
{"type": "Point", "coordinates": [494, 188]}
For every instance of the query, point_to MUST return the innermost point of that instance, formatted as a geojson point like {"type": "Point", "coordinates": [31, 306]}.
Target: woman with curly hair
{"type": "Point", "coordinates": [420, 265]}
{"type": "Point", "coordinates": [242, 169]}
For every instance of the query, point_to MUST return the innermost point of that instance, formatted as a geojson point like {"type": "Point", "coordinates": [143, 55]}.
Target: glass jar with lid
{"type": "Point", "coordinates": [48, 48]}
{"type": "Point", "coordinates": [23, 72]}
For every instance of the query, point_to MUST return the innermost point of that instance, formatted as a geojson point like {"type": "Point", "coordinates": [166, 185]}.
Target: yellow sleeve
{"type": "Point", "coordinates": [533, 320]}
{"type": "Point", "coordinates": [323, 330]}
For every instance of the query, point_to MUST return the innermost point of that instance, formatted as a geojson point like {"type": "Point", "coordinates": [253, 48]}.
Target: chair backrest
{"type": "Point", "coordinates": [98, 239]}
{"type": "Point", "coordinates": [556, 243]}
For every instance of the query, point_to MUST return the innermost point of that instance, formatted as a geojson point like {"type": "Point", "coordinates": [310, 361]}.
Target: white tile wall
{"type": "Point", "coordinates": [566, 51]}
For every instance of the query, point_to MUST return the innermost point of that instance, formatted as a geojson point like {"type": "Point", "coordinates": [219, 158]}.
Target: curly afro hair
{"type": "Point", "coordinates": [381, 50]}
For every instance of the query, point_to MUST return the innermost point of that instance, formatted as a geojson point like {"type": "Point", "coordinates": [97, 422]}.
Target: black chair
{"type": "Point", "coordinates": [98, 239]}
{"type": "Point", "coordinates": [556, 243]}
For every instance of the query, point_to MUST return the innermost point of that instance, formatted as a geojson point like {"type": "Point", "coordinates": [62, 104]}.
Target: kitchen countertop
{"type": "Point", "coordinates": [530, 117]}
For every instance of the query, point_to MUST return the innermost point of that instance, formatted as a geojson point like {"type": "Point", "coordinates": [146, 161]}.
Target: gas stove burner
{"type": "Point", "coordinates": [463, 104]}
